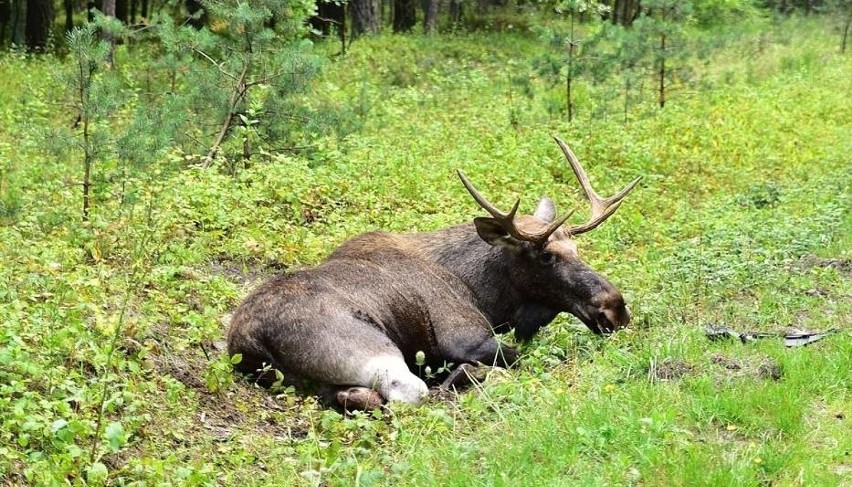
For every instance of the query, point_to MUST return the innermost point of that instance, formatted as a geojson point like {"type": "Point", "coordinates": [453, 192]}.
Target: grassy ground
{"type": "Point", "coordinates": [742, 219]}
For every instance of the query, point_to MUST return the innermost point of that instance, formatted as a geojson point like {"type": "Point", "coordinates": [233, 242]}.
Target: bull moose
{"type": "Point", "coordinates": [354, 324]}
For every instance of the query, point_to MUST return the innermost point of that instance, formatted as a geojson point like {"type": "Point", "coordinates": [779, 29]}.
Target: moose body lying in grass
{"type": "Point", "coordinates": [355, 323]}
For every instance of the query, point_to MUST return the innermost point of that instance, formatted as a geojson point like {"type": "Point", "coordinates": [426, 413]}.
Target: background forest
{"type": "Point", "coordinates": [158, 159]}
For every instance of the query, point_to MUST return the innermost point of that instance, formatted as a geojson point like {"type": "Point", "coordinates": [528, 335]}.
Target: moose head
{"type": "Point", "coordinates": [541, 257]}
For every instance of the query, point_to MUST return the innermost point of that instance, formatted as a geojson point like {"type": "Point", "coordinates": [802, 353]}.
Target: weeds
{"type": "Point", "coordinates": [743, 203]}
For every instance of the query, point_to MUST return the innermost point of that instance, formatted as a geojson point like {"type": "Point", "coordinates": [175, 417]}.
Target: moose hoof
{"type": "Point", "coordinates": [359, 399]}
{"type": "Point", "coordinates": [465, 375]}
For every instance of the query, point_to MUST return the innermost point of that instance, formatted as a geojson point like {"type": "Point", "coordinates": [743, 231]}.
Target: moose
{"type": "Point", "coordinates": [354, 325]}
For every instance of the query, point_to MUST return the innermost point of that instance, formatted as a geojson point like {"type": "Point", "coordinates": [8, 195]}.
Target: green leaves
{"type": "Point", "coordinates": [115, 436]}
{"type": "Point", "coordinates": [97, 473]}
{"type": "Point", "coordinates": [741, 218]}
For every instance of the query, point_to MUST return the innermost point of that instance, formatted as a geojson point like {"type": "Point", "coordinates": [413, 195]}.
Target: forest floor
{"type": "Point", "coordinates": [742, 219]}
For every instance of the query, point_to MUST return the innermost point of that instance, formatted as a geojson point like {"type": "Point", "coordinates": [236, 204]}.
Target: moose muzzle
{"type": "Point", "coordinates": [605, 313]}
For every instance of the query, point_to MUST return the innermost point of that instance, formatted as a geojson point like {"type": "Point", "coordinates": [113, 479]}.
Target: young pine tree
{"type": "Point", "coordinates": [243, 74]}
{"type": "Point", "coordinates": [662, 24]}
{"type": "Point", "coordinates": [93, 95]}
{"type": "Point", "coordinates": [564, 62]}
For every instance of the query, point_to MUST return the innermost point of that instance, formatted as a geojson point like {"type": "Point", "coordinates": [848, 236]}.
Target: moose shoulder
{"type": "Point", "coordinates": [356, 322]}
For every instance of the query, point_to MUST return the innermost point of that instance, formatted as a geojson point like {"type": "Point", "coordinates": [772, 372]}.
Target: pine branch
{"type": "Point", "coordinates": [237, 94]}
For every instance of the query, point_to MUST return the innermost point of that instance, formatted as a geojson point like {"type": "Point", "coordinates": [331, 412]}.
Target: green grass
{"type": "Point", "coordinates": [745, 197]}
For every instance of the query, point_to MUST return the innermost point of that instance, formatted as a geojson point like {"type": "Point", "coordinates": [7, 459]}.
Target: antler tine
{"type": "Point", "coordinates": [507, 220]}
{"type": "Point", "coordinates": [485, 204]}
{"type": "Point", "coordinates": [602, 208]}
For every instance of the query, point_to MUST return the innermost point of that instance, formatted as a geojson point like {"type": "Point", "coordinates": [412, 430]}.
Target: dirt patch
{"type": "Point", "coordinates": [769, 370]}
{"type": "Point", "coordinates": [15, 475]}
{"type": "Point", "coordinates": [726, 362]}
{"type": "Point", "coordinates": [843, 266]}
{"type": "Point", "coordinates": [669, 369]}
{"type": "Point", "coordinates": [764, 368]}
{"type": "Point", "coordinates": [240, 407]}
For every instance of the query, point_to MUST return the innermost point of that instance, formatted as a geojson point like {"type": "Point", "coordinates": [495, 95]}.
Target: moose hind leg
{"type": "Point", "coordinates": [358, 399]}
{"type": "Point", "coordinates": [390, 376]}
{"type": "Point", "coordinates": [341, 351]}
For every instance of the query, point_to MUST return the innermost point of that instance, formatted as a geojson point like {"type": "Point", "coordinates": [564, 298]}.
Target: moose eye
{"type": "Point", "coordinates": [547, 258]}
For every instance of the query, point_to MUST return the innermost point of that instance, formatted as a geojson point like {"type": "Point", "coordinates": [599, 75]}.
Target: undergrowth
{"type": "Point", "coordinates": [742, 219]}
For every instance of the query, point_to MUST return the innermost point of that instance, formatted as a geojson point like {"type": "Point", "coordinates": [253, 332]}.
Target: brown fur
{"type": "Point", "coordinates": [444, 293]}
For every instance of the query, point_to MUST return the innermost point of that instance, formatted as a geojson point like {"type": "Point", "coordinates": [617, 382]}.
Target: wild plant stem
{"type": "Point", "coordinates": [662, 70]}
{"type": "Point", "coordinates": [113, 343]}
{"type": "Point", "coordinates": [132, 281]}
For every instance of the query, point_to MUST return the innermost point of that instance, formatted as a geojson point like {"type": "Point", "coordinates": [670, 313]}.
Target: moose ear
{"type": "Point", "coordinates": [546, 210]}
{"type": "Point", "coordinates": [494, 234]}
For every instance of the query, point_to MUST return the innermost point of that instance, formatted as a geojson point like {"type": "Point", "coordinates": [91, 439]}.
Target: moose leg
{"type": "Point", "coordinates": [387, 378]}
{"type": "Point", "coordinates": [342, 351]}
{"type": "Point", "coordinates": [359, 399]}
{"type": "Point", "coordinates": [389, 375]}
{"type": "Point", "coordinates": [464, 375]}
{"type": "Point", "coordinates": [470, 344]}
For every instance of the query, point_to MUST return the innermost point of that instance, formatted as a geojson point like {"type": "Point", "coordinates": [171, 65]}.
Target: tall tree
{"type": "Point", "coordinates": [69, 15]}
{"type": "Point", "coordinates": [663, 22]}
{"type": "Point", "coordinates": [16, 23]}
{"type": "Point", "coordinates": [365, 17]}
{"type": "Point", "coordinates": [456, 11]}
{"type": "Point", "coordinates": [39, 19]}
{"type": "Point", "coordinates": [5, 18]}
{"type": "Point", "coordinates": [624, 12]}
{"type": "Point", "coordinates": [404, 15]}
{"type": "Point", "coordinates": [430, 15]}
{"type": "Point", "coordinates": [109, 11]}
{"type": "Point", "coordinates": [121, 12]}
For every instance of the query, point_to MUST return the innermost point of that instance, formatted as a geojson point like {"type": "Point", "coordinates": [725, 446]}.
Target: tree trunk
{"type": "Point", "coordinates": [342, 29]}
{"type": "Point", "coordinates": [109, 11]}
{"type": "Point", "coordinates": [845, 34]}
{"type": "Point", "coordinates": [39, 18]}
{"type": "Point", "coordinates": [5, 18]}
{"type": "Point", "coordinates": [624, 12]}
{"type": "Point", "coordinates": [143, 10]}
{"type": "Point", "coordinates": [568, 101]}
{"type": "Point", "coordinates": [18, 23]}
{"type": "Point", "coordinates": [69, 15]}
{"type": "Point", "coordinates": [430, 16]}
{"type": "Point", "coordinates": [405, 15]}
{"type": "Point", "coordinates": [121, 11]}
{"type": "Point", "coordinates": [365, 17]}
{"type": "Point", "coordinates": [194, 7]}
{"type": "Point", "coordinates": [456, 11]}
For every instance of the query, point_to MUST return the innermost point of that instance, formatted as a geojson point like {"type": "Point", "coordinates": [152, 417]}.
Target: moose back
{"type": "Point", "coordinates": [355, 323]}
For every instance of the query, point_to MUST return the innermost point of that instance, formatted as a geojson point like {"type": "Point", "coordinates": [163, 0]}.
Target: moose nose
{"type": "Point", "coordinates": [618, 316]}
{"type": "Point", "coordinates": [612, 313]}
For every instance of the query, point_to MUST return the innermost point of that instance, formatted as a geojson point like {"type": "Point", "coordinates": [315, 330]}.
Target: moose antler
{"type": "Point", "coordinates": [507, 220]}
{"type": "Point", "coordinates": [602, 208]}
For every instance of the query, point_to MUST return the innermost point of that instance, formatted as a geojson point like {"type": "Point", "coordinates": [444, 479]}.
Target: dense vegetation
{"type": "Point", "coordinates": [112, 367]}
